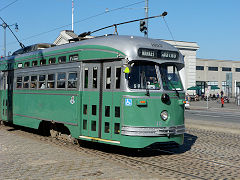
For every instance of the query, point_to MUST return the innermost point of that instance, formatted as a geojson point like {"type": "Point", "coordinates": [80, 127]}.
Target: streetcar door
{"type": "Point", "coordinates": [91, 123]}
{"type": "Point", "coordinates": [111, 100]}
{"type": "Point", "coordinates": [7, 94]}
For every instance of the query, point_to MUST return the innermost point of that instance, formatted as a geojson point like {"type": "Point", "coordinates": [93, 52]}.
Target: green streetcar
{"type": "Point", "coordinates": [119, 90]}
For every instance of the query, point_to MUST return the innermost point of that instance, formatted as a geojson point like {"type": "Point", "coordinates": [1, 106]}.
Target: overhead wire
{"type": "Point", "coordinates": [90, 17]}
{"type": "Point", "coordinates": [8, 5]}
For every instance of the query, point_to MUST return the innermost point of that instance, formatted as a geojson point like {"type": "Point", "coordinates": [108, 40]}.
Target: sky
{"type": "Point", "coordinates": [213, 24]}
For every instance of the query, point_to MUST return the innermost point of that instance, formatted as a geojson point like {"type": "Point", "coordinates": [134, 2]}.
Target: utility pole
{"type": "Point", "coordinates": [72, 14]}
{"type": "Point", "coordinates": [5, 25]}
{"type": "Point", "coordinates": [146, 16]}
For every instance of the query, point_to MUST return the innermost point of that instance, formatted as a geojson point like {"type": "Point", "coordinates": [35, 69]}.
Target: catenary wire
{"type": "Point", "coordinates": [8, 5]}
{"type": "Point", "coordinates": [90, 17]}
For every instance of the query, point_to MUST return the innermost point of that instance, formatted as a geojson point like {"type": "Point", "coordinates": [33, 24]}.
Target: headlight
{"type": "Point", "coordinates": [164, 115]}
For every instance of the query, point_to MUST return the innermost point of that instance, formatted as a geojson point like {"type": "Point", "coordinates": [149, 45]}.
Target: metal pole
{"type": "Point", "coordinates": [4, 25]}
{"type": "Point", "coordinates": [72, 14]}
{"type": "Point", "coordinates": [146, 16]}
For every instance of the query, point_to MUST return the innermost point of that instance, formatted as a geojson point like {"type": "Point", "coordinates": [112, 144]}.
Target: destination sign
{"type": "Point", "coordinates": [158, 54]}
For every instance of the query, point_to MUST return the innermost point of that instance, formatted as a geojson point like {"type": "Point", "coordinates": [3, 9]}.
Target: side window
{"type": "Point", "coordinates": [41, 82]}
{"type": "Point", "coordinates": [34, 63]}
{"type": "Point", "coordinates": [26, 82]}
{"type": "Point", "coordinates": [33, 82]}
{"type": "Point", "coordinates": [52, 60]}
{"type": "Point", "coordinates": [72, 80]}
{"type": "Point", "coordinates": [20, 65]}
{"type": "Point", "coordinates": [43, 62]}
{"type": "Point", "coordinates": [19, 82]}
{"type": "Point", "coordinates": [94, 85]}
{"type": "Point", "coordinates": [108, 78]}
{"type": "Point", "coordinates": [73, 57]}
{"type": "Point", "coordinates": [62, 59]}
{"type": "Point", "coordinates": [118, 78]}
{"type": "Point", "coordinates": [61, 77]}
{"type": "Point", "coordinates": [51, 81]}
{"type": "Point", "coordinates": [86, 78]}
{"type": "Point", "coordinates": [26, 64]}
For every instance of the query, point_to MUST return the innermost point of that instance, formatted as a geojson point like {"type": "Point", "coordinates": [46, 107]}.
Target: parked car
{"type": "Point", "coordinates": [187, 104]}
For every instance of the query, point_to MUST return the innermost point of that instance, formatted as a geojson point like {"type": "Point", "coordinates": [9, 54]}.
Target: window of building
{"type": "Point", "coordinates": [108, 77]}
{"type": "Point", "coordinates": [226, 69]}
{"type": "Point", "coordinates": [201, 68]}
{"type": "Point", "coordinates": [213, 68]}
{"type": "Point", "coordinates": [73, 57]}
{"type": "Point", "coordinates": [118, 77]}
{"type": "Point", "coordinates": [237, 69]}
{"type": "Point", "coordinates": [41, 81]}
{"type": "Point", "coordinates": [33, 82]}
{"type": "Point", "coordinates": [51, 81]}
{"type": "Point", "coordinates": [61, 77]}
{"type": "Point", "coordinates": [43, 62]}
{"type": "Point", "coordinates": [52, 60]}
{"type": "Point", "coordinates": [19, 82]}
{"type": "Point", "coordinates": [26, 82]}
{"type": "Point", "coordinates": [62, 59]}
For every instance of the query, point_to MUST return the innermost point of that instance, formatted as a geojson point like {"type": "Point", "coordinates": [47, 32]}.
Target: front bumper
{"type": "Point", "coordinates": [152, 131]}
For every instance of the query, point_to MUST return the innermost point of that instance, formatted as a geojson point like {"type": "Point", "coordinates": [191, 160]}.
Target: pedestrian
{"type": "Point", "coordinates": [222, 101]}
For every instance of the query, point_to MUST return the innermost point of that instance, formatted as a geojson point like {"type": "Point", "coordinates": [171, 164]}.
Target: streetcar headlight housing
{"type": "Point", "coordinates": [164, 115]}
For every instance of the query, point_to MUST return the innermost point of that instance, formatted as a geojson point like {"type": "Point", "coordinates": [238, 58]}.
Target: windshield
{"type": "Point", "coordinates": [144, 76]}
{"type": "Point", "coordinates": [148, 75]}
{"type": "Point", "coordinates": [170, 77]}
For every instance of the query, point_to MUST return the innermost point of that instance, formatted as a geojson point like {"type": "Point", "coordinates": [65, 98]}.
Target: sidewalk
{"type": "Point", "coordinates": [215, 105]}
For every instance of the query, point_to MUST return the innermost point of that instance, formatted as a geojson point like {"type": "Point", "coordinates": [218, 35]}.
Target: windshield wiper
{"type": "Point", "coordinates": [173, 87]}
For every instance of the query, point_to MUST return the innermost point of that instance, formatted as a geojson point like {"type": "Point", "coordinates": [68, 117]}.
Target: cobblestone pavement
{"type": "Point", "coordinates": [206, 154]}
{"type": "Point", "coordinates": [22, 157]}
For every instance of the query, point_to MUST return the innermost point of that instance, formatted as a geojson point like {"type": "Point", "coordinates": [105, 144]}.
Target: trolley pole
{"type": "Point", "coordinates": [146, 15]}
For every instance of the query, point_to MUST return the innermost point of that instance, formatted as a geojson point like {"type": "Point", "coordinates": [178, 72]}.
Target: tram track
{"type": "Point", "coordinates": [162, 162]}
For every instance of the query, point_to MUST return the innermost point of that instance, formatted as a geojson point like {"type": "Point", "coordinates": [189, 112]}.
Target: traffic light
{"type": "Point", "coordinates": [143, 27]}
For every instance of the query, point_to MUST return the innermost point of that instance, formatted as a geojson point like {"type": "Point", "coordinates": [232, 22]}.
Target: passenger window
{"type": "Point", "coordinates": [51, 81]}
{"type": "Point", "coordinates": [86, 78]}
{"type": "Point", "coordinates": [94, 110]}
{"type": "Point", "coordinates": [116, 128]}
{"type": "Point", "coordinates": [107, 111]}
{"type": "Point", "coordinates": [108, 77]}
{"type": "Point", "coordinates": [43, 62]}
{"type": "Point", "coordinates": [61, 80]}
{"type": "Point", "coordinates": [26, 64]}
{"type": "Point", "coordinates": [117, 111]}
{"type": "Point", "coordinates": [20, 65]}
{"type": "Point", "coordinates": [52, 60]}
{"type": "Point", "coordinates": [118, 78]}
{"type": "Point", "coordinates": [62, 59]}
{"type": "Point", "coordinates": [84, 124]}
{"type": "Point", "coordinates": [84, 109]}
{"type": "Point", "coordinates": [107, 127]}
{"type": "Point", "coordinates": [41, 83]}
{"type": "Point", "coordinates": [34, 63]}
{"type": "Point", "coordinates": [93, 126]}
{"type": "Point", "coordinates": [19, 82]}
{"type": "Point", "coordinates": [33, 82]}
{"type": "Point", "coordinates": [94, 77]}
{"type": "Point", "coordinates": [26, 82]}
{"type": "Point", "coordinates": [72, 80]}
{"type": "Point", "coordinates": [73, 57]}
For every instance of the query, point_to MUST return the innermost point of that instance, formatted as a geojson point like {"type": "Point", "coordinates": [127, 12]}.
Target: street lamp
{"type": "Point", "coordinates": [5, 25]}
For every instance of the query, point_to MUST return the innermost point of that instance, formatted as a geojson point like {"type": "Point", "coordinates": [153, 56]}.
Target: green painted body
{"type": "Point", "coordinates": [29, 107]}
